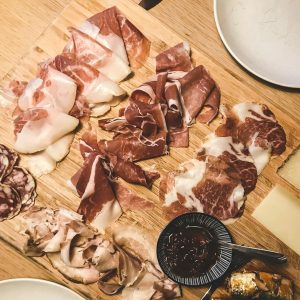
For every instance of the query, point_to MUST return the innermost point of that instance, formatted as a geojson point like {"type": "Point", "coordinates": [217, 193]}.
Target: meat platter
{"type": "Point", "coordinates": [52, 189]}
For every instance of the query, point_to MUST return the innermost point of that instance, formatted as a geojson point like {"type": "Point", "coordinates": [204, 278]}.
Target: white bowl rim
{"type": "Point", "coordinates": [239, 60]}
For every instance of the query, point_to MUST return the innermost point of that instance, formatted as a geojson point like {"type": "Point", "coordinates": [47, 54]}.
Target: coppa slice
{"type": "Point", "coordinates": [10, 202]}
{"type": "Point", "coordinates": [254, 125]}
{"type": "Point", "coordinates": [232, 153]}
{"type": "Point", "coordinates": [207, 184]}
{"type": "Point", "coordinates": [23, 183]}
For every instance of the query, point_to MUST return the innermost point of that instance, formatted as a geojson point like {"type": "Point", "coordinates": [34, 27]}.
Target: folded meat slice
{"type": "Point", "coordinates": [102, 28]}
{"type": "Point", "coordinates": [10, 92]}
{"type": "Point", "coordinates": [133, 146]}
{"type": "Point", "coordinates": [129, 200]}
{"type": "Point", "coordinates": [51, 89]}
{"type": "Point", "coordinates": [233, 153]}
{"type": "Point", "coordinates": [257, 128]}
{"type": "Point", "coordinates": [196, 87]}
{"type": "Point", "coordinates": [98, 203]}
{"type": "Point", "coordinates": [46, 125]}
{"type": "Point", "coordinates": [176, 58]}
{"type": "Point", "coordinates": [93, 86]}
{"type": "Point", "coordinates": [207, 184]}
{"type": "Point", "coordinates": [89, 51]}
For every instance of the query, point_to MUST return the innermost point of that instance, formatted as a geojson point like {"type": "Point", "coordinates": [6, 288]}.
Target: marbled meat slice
{"type": "Point", "coordinates": [22, 181]}
{"type": "Point", "coordinates": [129, 200]}
{"type": "Point", "coordinates": [176, 58]}
{"type": "Point", "coordinates": [10, 202]}
{"type": "Point", "coordinates": [207, 184]}
{"type": "Point", "coordinates": [233, 153]}
{"type": "Point", "coordinates": [8, 159]}
{"type": "Point", "coordinates": [254, 125]}
{"type": "Point", "coordinates": [98, 203]}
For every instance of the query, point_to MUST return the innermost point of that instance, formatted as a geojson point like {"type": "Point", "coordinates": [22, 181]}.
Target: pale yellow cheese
{"type": "Point", "coordinates": [290, 171]}
{"type": "Point", "coordinates": [279, 212]}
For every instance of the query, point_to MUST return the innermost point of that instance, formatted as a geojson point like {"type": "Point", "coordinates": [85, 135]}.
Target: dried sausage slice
{"type": "Point", "coordinates": [23, 183]}
{"type": "Point", "coordinates": [10, 202]}
{"type": "Point", "coordinates": [10, 161]}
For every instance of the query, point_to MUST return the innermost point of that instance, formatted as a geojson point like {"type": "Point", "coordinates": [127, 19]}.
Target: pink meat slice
{"type": "Point", "coordinates": [176, 58]}
{"type": "Point", "coordinates": [137, 45]}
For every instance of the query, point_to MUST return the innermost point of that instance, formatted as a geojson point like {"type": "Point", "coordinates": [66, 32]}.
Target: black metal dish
{"type": "Point", "coordinates": [217, 228]}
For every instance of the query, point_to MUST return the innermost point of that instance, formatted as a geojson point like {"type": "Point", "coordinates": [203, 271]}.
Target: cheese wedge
{"type": "Point", "coordinates": [279, 212]}
{"type": "Point", "coordinates": [290, 170]}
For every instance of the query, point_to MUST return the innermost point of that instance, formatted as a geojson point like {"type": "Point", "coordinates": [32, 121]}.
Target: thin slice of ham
{"type": "Point", "coordinates": [89, 51]}
{"type": "Point", "coordinates": [51, 89]}
{"type": "Point", "coordinates": [45, 125]}
{"type": "Point", "coordinates": [93, 86]}
{"type": "Point", "coordinates": [176, 58]}
{"type": "Point", "coordinates": [98, 203]}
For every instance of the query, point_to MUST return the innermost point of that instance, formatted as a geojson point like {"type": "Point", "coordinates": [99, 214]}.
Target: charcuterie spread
{"type": "Point", "coordinates": [112, 180]}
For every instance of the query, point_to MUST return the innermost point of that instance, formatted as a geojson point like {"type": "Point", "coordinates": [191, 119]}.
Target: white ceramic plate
{"type": "Point", "coordinates": [35, 289]}
{"type": "Point", "coordinates": [263, 36]}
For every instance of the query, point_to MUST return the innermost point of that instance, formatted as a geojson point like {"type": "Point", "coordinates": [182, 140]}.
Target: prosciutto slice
{"type": "Point", "coordinates": [89, 51]}
{"type": "Point", "coordinates": [160, 110]}
{"type": "Point", "coordinates": [51, 89]}
{"type": "Point", "coordinates": [119, 34]}
{"type": "Point", "coordinates": [99, 195]}
{"type": "Point", "coordinates": [94, 88]}
{"type": "Point", "coordinates": [46, 125]}
{"type": "Point", "coordinates": [98, 203]}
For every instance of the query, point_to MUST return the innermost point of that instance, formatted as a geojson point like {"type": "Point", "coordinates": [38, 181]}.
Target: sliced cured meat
{"type": "Point", "coordinates": [10, 202]}
{"type": "Point", "coordinates": [52, 88]}
{"type": "Point", "coordinates": [133, 146]}
{"type": "Point", "coordinates": [98, 203]}
{"type": "Point", "coordinates": [207, 184]}
{"type": "Point", "coordinates": [129, 200]}
{"type": "Point", "coordinates": [46, 125]}
{"type": "Point", "coordinates": [9, 94]}
{"type": "Point", "coordinates": [256, 127]}
{"type": "Point", "coordinates": [4, 163]}
{"type": "Point", "coordinates": [89, 51]}
{"type": "Point", "coordinates": [104, 28]}
{"type": "Point", "coordinates": [21, 181]}
{"type": "Point", "coordinates": [83, 255]}
{"type": "Point", "coordinates": [176, 58]}
{"type": "Point", "coordinates": [130, 172]}
{"type": "Point", "coordinates": [196, 87]}
{"type": "Point", "coordinates": [233, 154]}
{"type": "Point", "coordinates": [211, 107]}
{"type": "Point", "coordinates": [136, 44]}
{"type": "Point", "coordinates": [93, 86]}
{"type": "Point", "coordinates": [8, 159]}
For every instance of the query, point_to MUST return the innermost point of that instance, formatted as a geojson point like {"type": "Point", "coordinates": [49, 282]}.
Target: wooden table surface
{"type": "Point", "coordinates": [23, 22]}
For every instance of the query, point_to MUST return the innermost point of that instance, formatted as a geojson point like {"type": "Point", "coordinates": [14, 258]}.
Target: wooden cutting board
{"type": "Point", "coordinates": [52, 188]}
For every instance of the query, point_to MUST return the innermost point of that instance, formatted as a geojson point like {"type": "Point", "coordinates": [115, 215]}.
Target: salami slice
{"type": "Point", "coordinates": [10, 202]}
{"type": "Point", "coordinates": [12, 157]}
{"type": "Point", "coordinates": [22, 181]}
{"type": "Point", "coordinates": [4, 164]}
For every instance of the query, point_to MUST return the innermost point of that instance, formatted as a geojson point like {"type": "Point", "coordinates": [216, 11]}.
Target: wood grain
{"type": "Point", "coordinates": [192, 21]}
